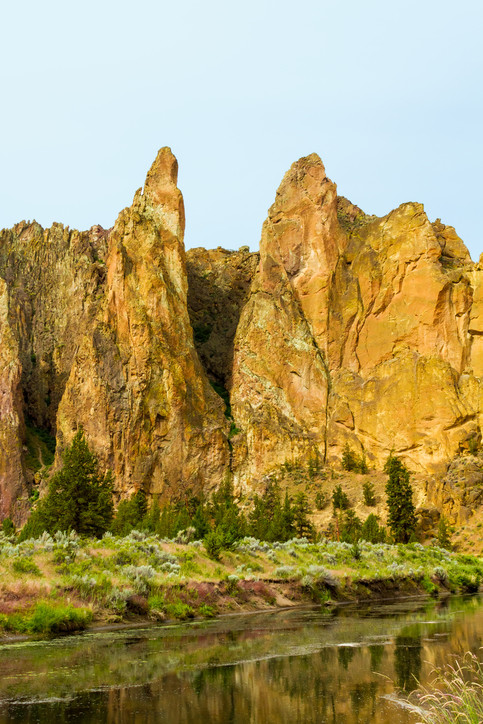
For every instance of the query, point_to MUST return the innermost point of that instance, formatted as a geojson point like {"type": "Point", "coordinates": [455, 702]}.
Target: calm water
{"type": "Point", "coordinates": [298, 666]}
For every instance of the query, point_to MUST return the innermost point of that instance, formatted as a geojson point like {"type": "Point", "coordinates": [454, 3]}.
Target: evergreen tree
{"type": "Point", "coordinates": [302, 525]}
{"type": "Point", "coordinates": [268, 520]}
{"type": "Point", "coordinates": [287, 523]}
{"type": "Point", "coordinates": [152, 517]}
{"type": "Point", "coordinates": [372, 531]}
{"type": "Point", "coordinates": [353, 462]}
{"type": "Point", "coordinates": [350, 530]}
{"type": "Point", "coordinates": [79, 498]}
{"type": "Point", "coordinates": [130, 514]}
{"type": "Point", "coordinates": [320, 500]}
{"type": "Point", "coordinates": [349, 458]}
{"type": "Point", "coordinates": [201, 522]}
{"type": "Point", "coordinates": [402, 518]}
{"type": "Point", "coordinates": [444, 533]}
{"type": "Point", "coordinates": [228, 520]}
{"type": "Point", "coordinates": [369, 494]}
{"type": "Point", "coordinates": [8, 527]}
{"type": "Point", "coordinates": [340, 499]}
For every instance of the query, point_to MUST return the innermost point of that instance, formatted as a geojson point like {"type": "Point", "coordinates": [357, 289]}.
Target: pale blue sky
{"type": "Point", "coordinates": [388, 93]}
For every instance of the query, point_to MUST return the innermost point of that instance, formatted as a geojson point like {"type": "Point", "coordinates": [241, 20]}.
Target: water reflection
{"type": "Point", "coordinates": [296, 666]}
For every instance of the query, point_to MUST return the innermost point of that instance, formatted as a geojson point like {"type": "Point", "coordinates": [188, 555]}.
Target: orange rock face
{"type": "Point", "coordinates": [372, 329]}
{"type": "Point", "coordinates": [136, 385]}
{"type": "Point", "coordinates": [345, 328]}
{"type": "Point", "coordinates": [13, 491]}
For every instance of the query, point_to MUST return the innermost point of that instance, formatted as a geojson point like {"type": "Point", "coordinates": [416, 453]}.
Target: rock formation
{"type": "Point", "coordinates": [345, 328]}
{"type": "Point", "coordinates": [372, 326]}
{"type": "Point", "coordinates": [136, 385]}
{"type": "Point", "coordinates": [12, 481]}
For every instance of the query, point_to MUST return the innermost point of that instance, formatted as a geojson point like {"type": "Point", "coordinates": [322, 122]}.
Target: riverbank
{"type": "Point", "coordinates": [64, 583]}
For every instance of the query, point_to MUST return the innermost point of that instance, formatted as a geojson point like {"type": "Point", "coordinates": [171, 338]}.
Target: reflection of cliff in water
{"type": "Point", "coordinates": [297, 667]}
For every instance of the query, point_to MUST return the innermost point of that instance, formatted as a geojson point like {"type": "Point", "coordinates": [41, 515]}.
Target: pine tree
{"type": "Point", "coordinates": [372, 531]}
{"type": "Point", "coordinates": [444, 533]}
{"type": "Point", "coordinates": [369, 494]}
{"type": "Point", "coordinates": [340, 499]}
{"type": "Point", "coordinates": [130, 514]}
{"type": "Point", "coordinates": [350, 530]}
{"type": "Point", "coordinates": [79, 497]}
{"type": "Point", "coordinates": [349, 458]}
{"type": "Point", "coordinates": [287, 525]}
{"type": "Point", "coordinates": [402, 518]}
{"type": "Point", "coordinates": [302, 525]}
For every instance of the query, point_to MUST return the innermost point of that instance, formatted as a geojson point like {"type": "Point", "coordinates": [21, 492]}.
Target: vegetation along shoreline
{"type": "Point", "coordinates": [76, 562]}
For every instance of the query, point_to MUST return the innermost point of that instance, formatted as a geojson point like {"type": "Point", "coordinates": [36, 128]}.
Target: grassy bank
{"type": "Point", "coordinates": [64, 583]}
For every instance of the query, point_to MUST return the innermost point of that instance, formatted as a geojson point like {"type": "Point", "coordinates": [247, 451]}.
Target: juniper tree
{"type": "Point", "coordinates": [79, 496]}
{"type": "Point", "coordinates": [402, 518]}
{"type": "Point", "coordinates": [131, 514]}
{"type": "Point", "coordinates": [340, 499]}
{"type": "Point", "coordinates": [369, 494]}
{"type": "Point", "coordinates": [301, 510]}
{"type": "Point", "coordinates": [372, 531]}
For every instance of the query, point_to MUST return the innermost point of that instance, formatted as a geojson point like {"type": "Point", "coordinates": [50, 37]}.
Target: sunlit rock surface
{"type": "Point", "coordinates": [185, 367]}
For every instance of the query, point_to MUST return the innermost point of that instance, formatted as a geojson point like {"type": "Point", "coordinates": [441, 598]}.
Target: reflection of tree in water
{"type": "Point", "coordinates": [362, 695]}
{"type": "Point", "coordinates": [346, 654]}
{"type": "Point", "coordinates": [407, 661]}
{"type": "Point", "coordinates": [376, 653]}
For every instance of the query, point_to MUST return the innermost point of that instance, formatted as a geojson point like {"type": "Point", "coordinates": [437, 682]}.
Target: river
{"type": "Point", "coordinates": [300, 666]}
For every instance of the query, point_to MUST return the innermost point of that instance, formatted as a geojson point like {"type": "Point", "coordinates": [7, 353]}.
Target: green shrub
{"type": "Point", "coordinates": [468, 581]}
{"type": "Point", "coordinates": [429, 586]}
{"type": "Point", "coordinates": [206, 611]}
{"type": "Point", "coordinates": [46, 618]}
{"type": "Point", "coordinates": [473, 446]}
{"type": "Point", "coordinates": [179, 610]}
{"type": "Point", "coordinates": [26, 565]}
{"type": "Point", "coordinates": [213, 543]}
{"type": "Point", "coordinates": [156, 602]}
{"type": "Point", "coordinates": [231, 584]}
{"type": "Point", "coordinates": [8, 527]}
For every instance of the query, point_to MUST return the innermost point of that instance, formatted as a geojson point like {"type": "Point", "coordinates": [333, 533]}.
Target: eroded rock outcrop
{"type": "Point", "coordinates": [280, 377]}
{"type": "Point", "coordinates": [345, 328]}
{"type": "Point", "coordinates": [136, 384]}
{"type": "Point", "coordinates": [373, 329]}
{"type": "Point", "coordinates": [13, 491]}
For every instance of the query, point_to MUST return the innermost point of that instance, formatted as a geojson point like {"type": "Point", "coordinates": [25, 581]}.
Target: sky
{"type": "Point", "coordinates": [389, 94]}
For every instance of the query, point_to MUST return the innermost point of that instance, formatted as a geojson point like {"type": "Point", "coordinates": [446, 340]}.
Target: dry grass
{"type": "Point", "coordinates": [455, 695]}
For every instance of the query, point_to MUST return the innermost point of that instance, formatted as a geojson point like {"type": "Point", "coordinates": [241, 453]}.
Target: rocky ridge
{"type": "Point", "coordinates": [185, 367]}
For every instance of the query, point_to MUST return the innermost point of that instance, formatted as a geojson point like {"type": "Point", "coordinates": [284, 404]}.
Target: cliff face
{"type": "Point", "coordinates": [136, 384]}
{"type": "Point", "coordinates": [373, 327]}
{"type": "Point", "coordinates": [13, 491]}
{"type": "Point", "coordinates": [345, 328]}
{"type": "Point", "coordinates": [400, 343]}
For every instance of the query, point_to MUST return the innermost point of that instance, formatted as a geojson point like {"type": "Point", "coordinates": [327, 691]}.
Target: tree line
{"type": "Point", "coordinates": [80, 498]}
